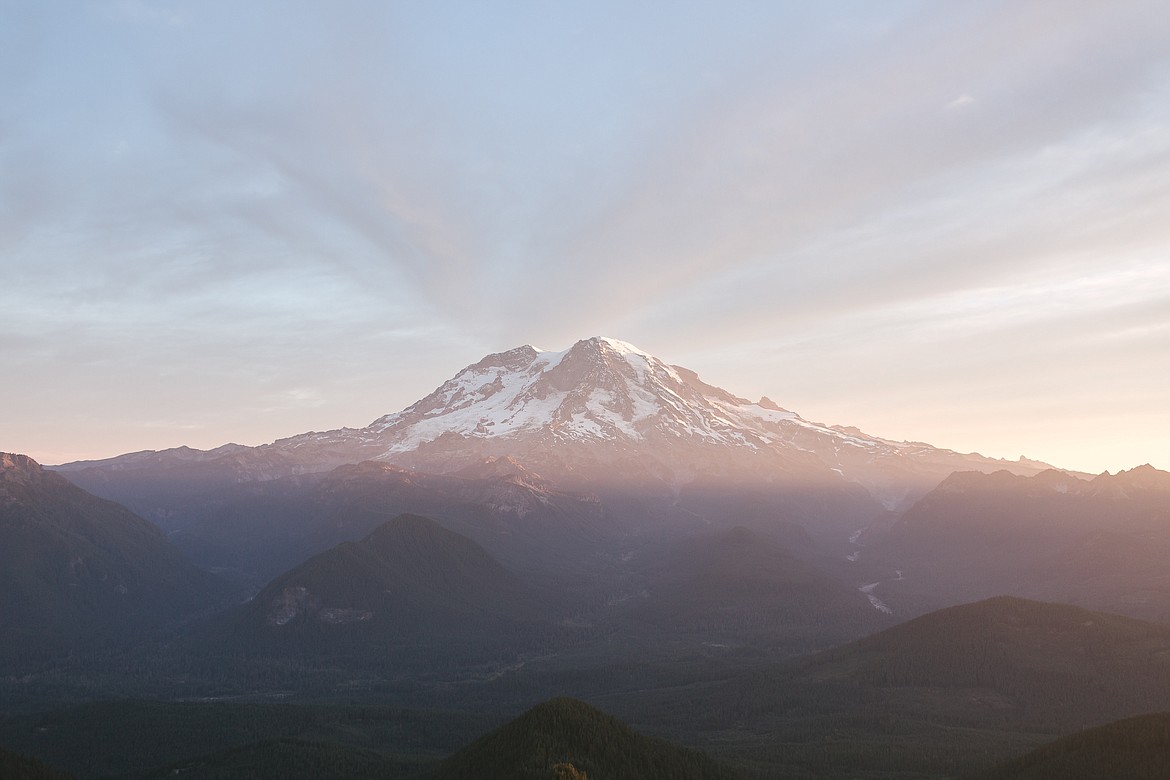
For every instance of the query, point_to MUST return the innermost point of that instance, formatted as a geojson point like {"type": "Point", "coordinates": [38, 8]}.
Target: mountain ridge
{"type": "Point", "coordinates": [76, 569]}
{"type": "Point", "coordinates": [1100, 542]}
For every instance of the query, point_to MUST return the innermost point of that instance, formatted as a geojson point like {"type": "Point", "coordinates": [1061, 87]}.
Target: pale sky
{"type": "Point", "coordinates": [238, 221]}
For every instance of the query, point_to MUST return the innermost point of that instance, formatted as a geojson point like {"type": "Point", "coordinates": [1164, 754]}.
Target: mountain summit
{"type": "Point", "coordinates": [600, 411]}
{"type": "Point", "coordinates": [600, 389]}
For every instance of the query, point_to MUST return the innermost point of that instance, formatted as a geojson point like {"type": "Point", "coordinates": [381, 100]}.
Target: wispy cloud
{"type": "Point", "coordinates": [961, 101]}
{"type": "Point", "coordinates": [380, 192]}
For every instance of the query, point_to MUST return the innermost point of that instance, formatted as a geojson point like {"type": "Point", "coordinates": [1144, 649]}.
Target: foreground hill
{"type": "Point", "coordinates": [1101, 543]}
{"type": "Point", "coordinates": [410, 584]}
{"type": "Point", "coordinates": [567, 731]}
{"type": "Point", "coordinates": [76, 570]}
{"type": "Point", "coordinates": [1131, 749]}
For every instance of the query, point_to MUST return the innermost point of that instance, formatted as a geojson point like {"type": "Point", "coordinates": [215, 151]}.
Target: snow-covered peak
{"type": "Point", "coordinates": [597, 345]}
{"type": "Point", "coordinates": [604, 401]}
{"type": "Point", "coordinates": [599, 389]}
{"type": "Point", "coordinates": [619, 346]}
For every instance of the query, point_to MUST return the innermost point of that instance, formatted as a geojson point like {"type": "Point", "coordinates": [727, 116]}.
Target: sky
{"type": "Point", "coordinates": [936, 221]}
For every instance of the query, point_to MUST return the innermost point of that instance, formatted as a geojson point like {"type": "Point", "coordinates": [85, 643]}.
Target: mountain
{"type": "Point", "coordinates": [1101, 542]}
{"type": "Point", "coordinates": [565, 731]}
{"type": "Point", "coordinates": [601, 413]}
{"type": "Point", "coordinates": [1131, 749]}
{"type": "Point", "coordinates": [741, 587]}
{"type": "Point", "coordinates": [411, 583]}
{"type": "Point", "coordinates": [77, 571]}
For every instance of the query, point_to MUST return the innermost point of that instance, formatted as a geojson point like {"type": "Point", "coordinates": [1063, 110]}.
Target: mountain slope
{"type": "Point", "coordinates": [567, 731]}
{"type": "Point", "coordinates": [409, 584]}
{"type": "Point", "coordinates": [76, 569]}
{"type": "Point", "coordinates": [1101, 543]}
{"type": "Point", "coordinates": [1132, 749]}
{"type": "Point", "coordinates": [740, 586]}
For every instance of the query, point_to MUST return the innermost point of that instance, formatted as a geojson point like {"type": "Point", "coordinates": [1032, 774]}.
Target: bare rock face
{"type": "Point", "coordinates": [17, 468]}
{"type": "Point", "coordinates": [292, 602]}
{"type": "Point", "coordinates": [19, 476]}
{"type": "Point", "coordinates": [336, 616]}
{"type": "Point", "coordinates": [297, 601]}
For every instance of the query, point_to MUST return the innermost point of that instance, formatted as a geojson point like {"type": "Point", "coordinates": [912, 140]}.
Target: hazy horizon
{"type": "Point", "coordinates": [934, 222]}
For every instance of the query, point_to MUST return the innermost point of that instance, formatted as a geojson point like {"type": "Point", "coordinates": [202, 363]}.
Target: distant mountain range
{"type": "Point", "coordinates": [536, 455]}
{"type": "Point", "coordinates": [267, 526]}
{"type": "Point", "coordinates": [601, 413]}
{"type": "Point", "coordinates": [591, 465]}
{"type": "Point", "coordinates": [1101, 543]}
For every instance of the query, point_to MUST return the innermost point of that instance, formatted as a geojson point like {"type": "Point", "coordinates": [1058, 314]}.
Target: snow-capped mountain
{"type": "Point", "coordinates": [600, 389]}
{"type": "Point", "coordinates": [602, 410]}
{"type": "Point", "coordinates": [605, 409]}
